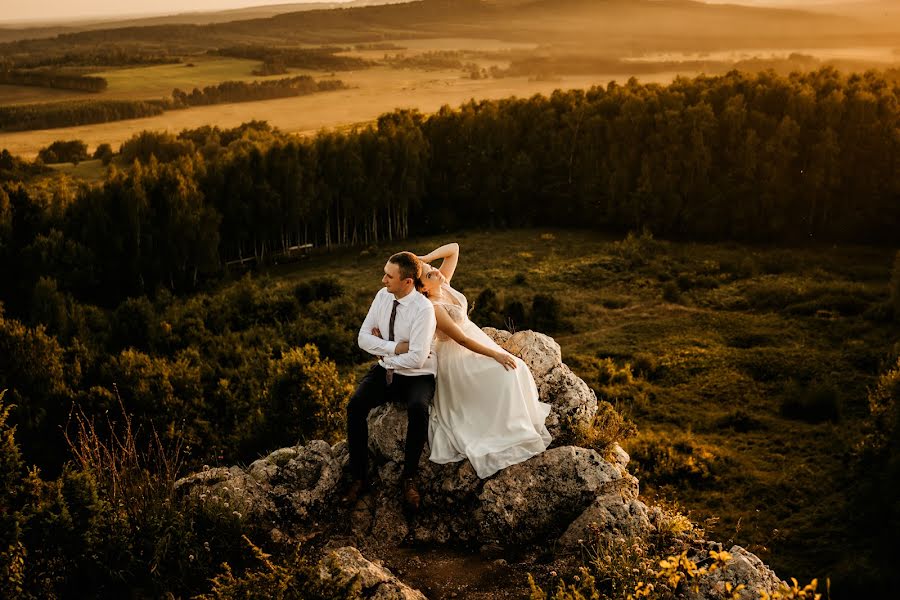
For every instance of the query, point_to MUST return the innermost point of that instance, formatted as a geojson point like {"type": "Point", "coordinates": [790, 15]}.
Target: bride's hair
{"type": "Point", "coordinates": [410, 267]}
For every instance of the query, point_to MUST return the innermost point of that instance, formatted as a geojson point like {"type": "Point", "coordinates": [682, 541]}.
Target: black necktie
{"type": "Point", "coordinates": [391, 323]}
{"type": "Point", "coordinates": [389, 375]}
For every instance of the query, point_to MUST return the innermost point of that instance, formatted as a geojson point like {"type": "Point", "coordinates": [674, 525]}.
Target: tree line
{"type": "Point", "coordinates": [740, 157]}
{"type": "Point", "coordinates": [97, 55]}
{"type": "Point", "coordinates": [67, 113]}
{"type": "Point", "coordinates": [53, 79]}
{"type": "Point", "coordinates": [324, 58]}
{"type": "Point", "coordinates": [25, 117]}
{"type": "Point", "coordinates": [248, 91]}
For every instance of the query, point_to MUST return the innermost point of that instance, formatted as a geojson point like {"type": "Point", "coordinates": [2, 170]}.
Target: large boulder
{"type": "Point", "coordinates": [527, 501]}
{"type": "Point", "coordinates": [573, 403]}
{"type": "Point", "coordinates": [232, 489]}
{"type": "Point", "coordinates": [610, 515]}
{"type": "Point", "coordinates": [743, 568]}
{"type": "Point", "coordinates": [376, 582]}
{"type": "Point", "coordinates": [300, 479]}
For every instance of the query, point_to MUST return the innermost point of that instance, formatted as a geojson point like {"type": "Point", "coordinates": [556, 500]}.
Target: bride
{"type": "Point", "coordinates": [486, 405]}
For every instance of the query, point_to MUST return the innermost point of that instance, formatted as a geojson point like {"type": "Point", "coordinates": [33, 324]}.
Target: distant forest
{"type": "Point", "coordinates": [812, 157]}
{"type": "Point", "coordinates": [67, 113]}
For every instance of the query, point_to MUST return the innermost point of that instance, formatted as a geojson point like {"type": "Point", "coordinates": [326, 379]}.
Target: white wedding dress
{"type": "Point", "coordinates": [481, 411]}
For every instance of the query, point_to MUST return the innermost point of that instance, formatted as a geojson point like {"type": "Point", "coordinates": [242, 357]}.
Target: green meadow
{"type": "Point", "coordinates": [745, 368]}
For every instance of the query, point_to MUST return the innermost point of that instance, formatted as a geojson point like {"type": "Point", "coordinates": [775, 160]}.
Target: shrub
{"type": "Point", "coordinates": [637, 250]}
{"type": "Point", "coordinates": [73, 151]}
{"type": "Point", "coordinates": [644, 364]}
{"type": "Point", "coordinates": [677, 460]}
{"type": "Point", "coordinates": [307, 398]}
{"type": "Point", "coordinates": [520, 279]}
{"type": "Point", "coordinates": [104, 153]}
{"type": "Point", "coordinates": [671, 293]}
{"type": "Point", "coordinates": [813, 403]}
{"type": "Point", "coordinates": [324, 288]}
{"type": "Point", "coordinates": [514, 311]}
{"type": "Point", "coordinates": [486, 311]}
{"type": "Point", "coordinates": [608, 426]}
{"type": "Point", "coordinates": [293, 577]}
{"type": "Point", "coordinates": [740, 420]}
{"type": "Point", "coordinates": [545, 313]}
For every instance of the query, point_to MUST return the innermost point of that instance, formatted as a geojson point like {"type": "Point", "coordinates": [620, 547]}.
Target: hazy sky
{"type": "Point", "coordinates": [47, 10]}
{"type": "Point", "coordinates": [54, 10]}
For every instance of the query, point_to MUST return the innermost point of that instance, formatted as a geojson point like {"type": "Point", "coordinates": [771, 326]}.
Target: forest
{"type": "Point", "coordinates": [53, 79]}
{"type": "Point", "coordinates": [755, 158]}
{"type": "Point", "coordinates": [81, 112]}
{"type": "Point", "coordinates": [115, 303]}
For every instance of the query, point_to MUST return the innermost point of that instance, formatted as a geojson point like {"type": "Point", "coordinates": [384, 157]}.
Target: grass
{"type": "Point", "coordinates": [88, 170]}
{"type": "Point", "coordinates": [747, 408]}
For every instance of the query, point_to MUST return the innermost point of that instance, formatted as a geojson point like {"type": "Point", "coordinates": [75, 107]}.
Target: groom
{"type": "Point", "coordinates": [398, 330]}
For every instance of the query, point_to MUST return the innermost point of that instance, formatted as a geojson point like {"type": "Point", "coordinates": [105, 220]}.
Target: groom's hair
{"type": "Point", "coordinates": [410, 267]}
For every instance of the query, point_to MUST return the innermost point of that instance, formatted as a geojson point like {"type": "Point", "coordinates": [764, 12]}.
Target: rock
{"type": "Point", "coordinates": [387, 433]}
{"type": "Point", "coordinates": [574, 402]}
{"type": "Point", "coordinates": [232, 489]}
{"type": "Point", "coordinates": [263, 469]}
{"type": "Point", "coordinates": [742, 568]}
{"type": "Point", "coordinates": [540, 352]}
{"type": "Point", "coordinates": [527, 501]}
{"type": "Point", "coordinates": [376, 582]}
{"type": "Point", "coordinates": [619, 456]}
{"type": "Point", "coordinates": [610, 515]}
{"type": "Point", "coordinates": [499, 336]}
{"type": "Point", "coordinates": [306, 481]}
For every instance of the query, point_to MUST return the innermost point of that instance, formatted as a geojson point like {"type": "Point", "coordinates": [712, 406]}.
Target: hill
{"type": "Point", "coordinates": [663, 24]}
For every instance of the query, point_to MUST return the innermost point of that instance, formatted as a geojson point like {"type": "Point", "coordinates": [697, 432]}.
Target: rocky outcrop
{"type": "Point", "coordinates": [376, 582]}
{"type": "Point", "coordinates": [573, 403]}
{"type": "Point", "coordinates": [743, 568]}
{"type": "Point", "coordinates": [560, 497]}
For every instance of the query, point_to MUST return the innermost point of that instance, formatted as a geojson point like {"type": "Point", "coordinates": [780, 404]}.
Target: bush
{"type": "Point", "coordinates": [104, 153]}
{"type": "Point", "coordinates": [608, 427]}
{"type": "Point", "coordinates": [294, 577]}
{"type": "Point", "coordinates": [307, 398]}
{"type": "Point", "coordinates": [545, 313]}
{"type": "Point", "coordinates": [73, 151]}
{"type": "Point", "coordinates": [637, 250]}
{"type": "Point", "coordinates": [813, 403]}
{"type": "Point", "coordinates": [677, 460]}
{"type": "Point", "coordinates": [671, 293]}
{"type": "Point", "coordinates": [486, 311]}
{"type": "Point", "coordinates": [739, 420]}
{"type": "Point", "coordinates": [324, 288]}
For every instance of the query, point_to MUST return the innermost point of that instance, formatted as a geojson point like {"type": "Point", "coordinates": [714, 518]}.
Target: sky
{"type": "Point", "coordinates": [56, 10]}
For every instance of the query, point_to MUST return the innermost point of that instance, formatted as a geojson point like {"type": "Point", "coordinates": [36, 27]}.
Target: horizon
{"type": "Point", "coordinates": [29, 15]}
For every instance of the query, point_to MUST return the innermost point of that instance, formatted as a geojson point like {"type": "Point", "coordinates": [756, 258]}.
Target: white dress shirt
{"type": "Point", "coordinates": [415, 323]}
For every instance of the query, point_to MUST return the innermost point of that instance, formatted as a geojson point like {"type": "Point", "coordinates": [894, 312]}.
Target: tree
{"type": "Point", "coordinates": [73, 151]}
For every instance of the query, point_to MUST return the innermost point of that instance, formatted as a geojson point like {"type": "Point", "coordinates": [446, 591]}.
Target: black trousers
{"type": "Point", "coordinates": [415, 392]}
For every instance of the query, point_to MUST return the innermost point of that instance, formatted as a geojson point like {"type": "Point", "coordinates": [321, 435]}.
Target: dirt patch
{"type": "Point", "coordinates": [440, 572]}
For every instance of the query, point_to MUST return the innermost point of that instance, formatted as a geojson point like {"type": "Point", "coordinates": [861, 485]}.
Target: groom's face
{"type": "Point", "coordinates": [392, 279]}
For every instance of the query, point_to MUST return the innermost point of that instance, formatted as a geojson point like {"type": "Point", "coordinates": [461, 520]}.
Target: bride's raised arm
{"type": "Point", "coordinates": [450, 254]}
{"type": "Point", "coordinates": [451, 329]}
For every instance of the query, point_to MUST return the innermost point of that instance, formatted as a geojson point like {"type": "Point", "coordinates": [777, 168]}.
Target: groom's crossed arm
{"type": "Point", "coordinates": [367, 340]}
{"type": "Point", "coordinates": [420, 337]}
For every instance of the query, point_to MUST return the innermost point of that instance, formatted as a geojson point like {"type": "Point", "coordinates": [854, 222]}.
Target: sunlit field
{"type": "Point", "coordinates": [372, 92]}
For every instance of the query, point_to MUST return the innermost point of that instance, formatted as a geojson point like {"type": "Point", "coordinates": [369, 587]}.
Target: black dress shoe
{"type": "Point", "coordinates": [411, 496]}
{"type": "Point", "coordinates": [354, 491]}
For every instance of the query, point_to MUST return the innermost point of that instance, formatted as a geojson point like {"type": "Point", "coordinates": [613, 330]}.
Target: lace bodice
{"type": "Point", "coordinates": [456, 306]}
